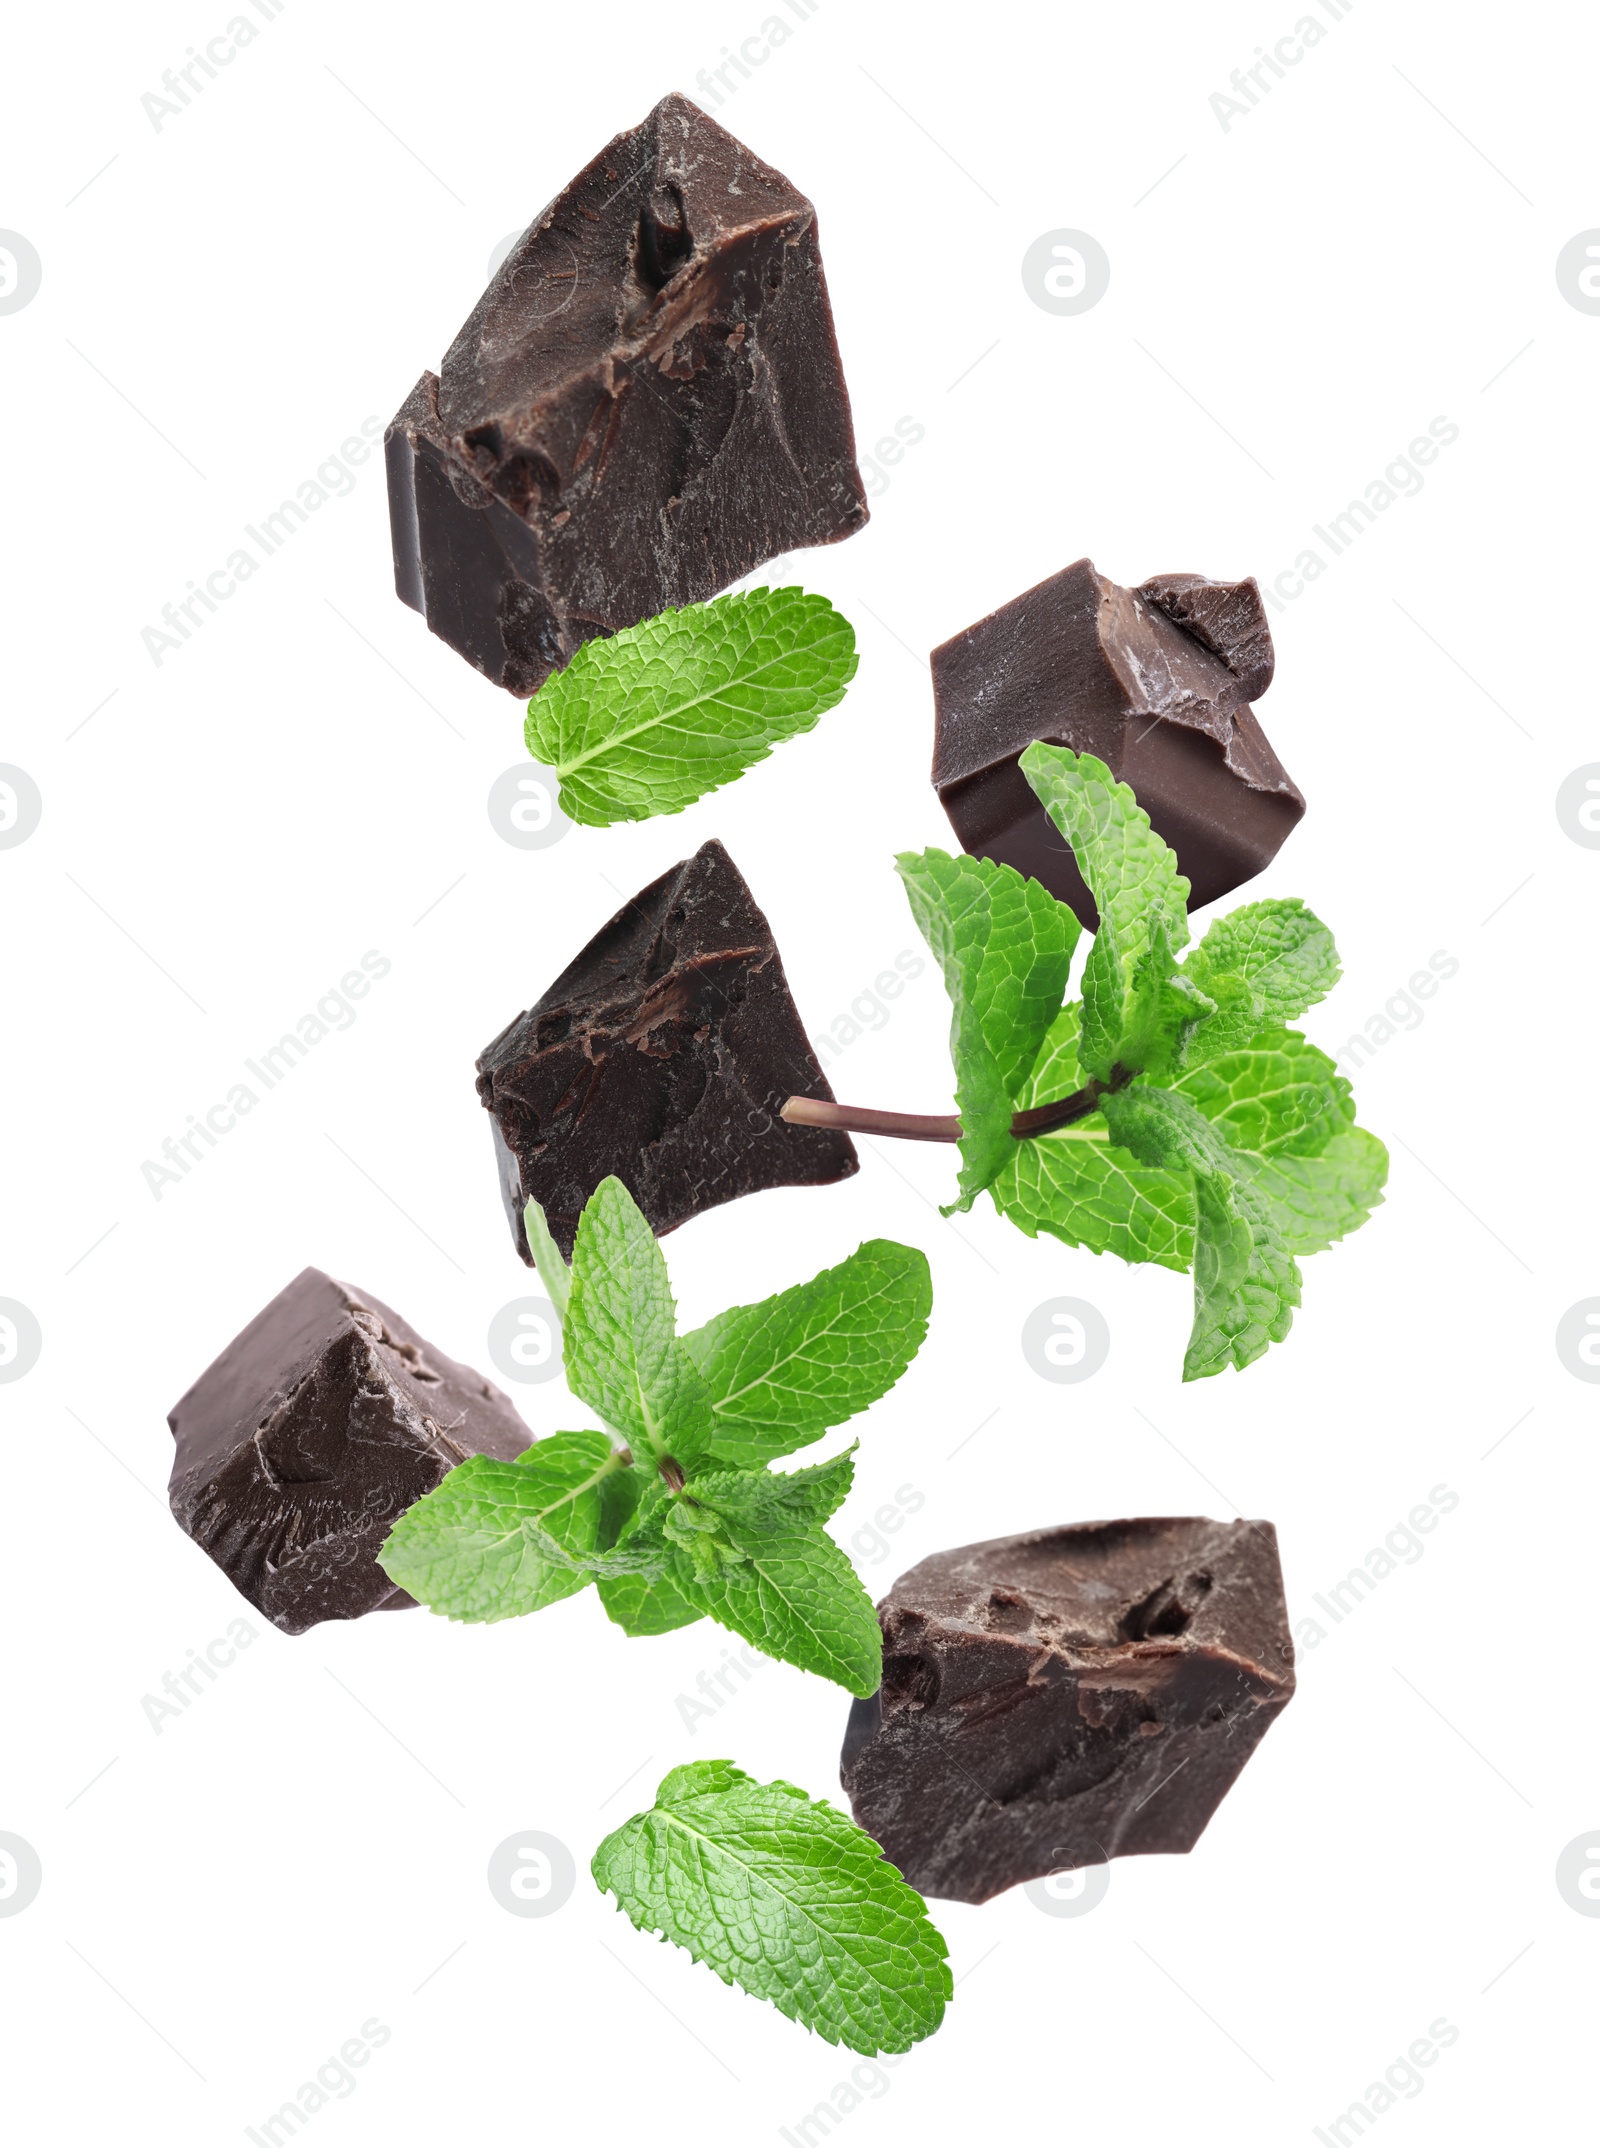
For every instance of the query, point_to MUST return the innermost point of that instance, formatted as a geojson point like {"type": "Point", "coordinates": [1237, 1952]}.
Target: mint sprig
{"type": "Point", "coordinates": [1005, 947]}
{"type": "Point", "coordinates": [505, 1538]}
{"type": "Point", "coordinates": [765, 1568]}
{"type": "Point", "coordinates": [1317, 1200]}
{"type": "Point", "coordinates": [1246, 1283]}
{"type": "Point", "coordinates": [1284, 955]}
{"type": "Point", "coordinates": [649, 719]}
{"type": "Point", "coordinates": [642, 1606]}
{"type": "Point", "coordinates": [1169, 1113]}
{"type": "Point", "coordinates": [785, 1897]}
{"type": "Point", "coordinates": [783, 1372]}
{"type": "Point", "coordinates": [1142, 899]}
{"type": "Point", "coordinates": [670, 1509]}
{"type": "Point", "coordinates": [1075, 1186]}
{"type": "Point", "coordinates": [620, 1334]}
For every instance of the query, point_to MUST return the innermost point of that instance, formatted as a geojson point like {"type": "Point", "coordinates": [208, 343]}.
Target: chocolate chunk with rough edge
{"type": "Point", "coordinates": [1155, 683]}
{"type": "Point", "coordinates": [310, 1435]}
{"type": "Point", "coordinates": [1065, 1697]}
{"type": "Point", "coordinates": [1228, 618]}
{"type": "Point", "coordinates": [662, 1055]}
{"type": "Point", "coordinates": [645, 404]}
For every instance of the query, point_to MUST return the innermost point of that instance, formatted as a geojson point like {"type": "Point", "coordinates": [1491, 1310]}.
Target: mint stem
{"type": "Point", "coordinates": [861, 1119]}
{"type": "Point", "coordinates": [917, 1126]}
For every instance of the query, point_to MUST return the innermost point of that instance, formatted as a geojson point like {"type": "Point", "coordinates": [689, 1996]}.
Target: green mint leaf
{"type": "Point", "coordinates": [1005, 946]}
{"type": "Point", "coordinates": [1318, 1199]}
{"type": "Point", "coordinates": [647, 1563]}
{"type": "Point", "coordinates": [1132, 876]}
{"type": "Point", "coordinates": [1078, 1186]}
{"type": "Point", "coordinates": [642, 1603]}
{"type": "Point", "coordinates": [497, 1539]}
{"type": "Point", "coordinates": [785, 1897]}
{"type": "Point", "coordinates": [554, 1273]}
{"type": "Point", "coordinates": [1237, 1021]}
{"type": "Point", "coordinates": [647, 1514]}
{"type": "Point", "coordinates": [1277, 1096]}
{"type": "Point", "coordinates": [1131, 873]}
{"type": "Point", "coordinates": [1163, 1010]}
{"type": "Point", "coordinates": [1284, 953]}
{"type": "Point", "coordinates": [644, 1608]}
{"type": "Point", "coordinates": [789, 1591]}
{"type": "Point", "coordinates": [620, 1494]}
{"type": "Point", "coordinates": [620, 1340]}
{"type": "Point", "coordinates": [748, 1547]}
{"type": "Point", "coordinates": [1107, 989]}
{"type": "Point", "coordinates": [1246, 1283]}
{"type": "Point", "coordinates": [653, 717]}
{"type": "Point", "coordinates": [758, 1499]}
{"type": "Point", "coordinates": [1167, 1131]}
{"type": "Point", "coordinates": [1055, 1072]}
{"type": "Point", "coordinates": [780, 1373]}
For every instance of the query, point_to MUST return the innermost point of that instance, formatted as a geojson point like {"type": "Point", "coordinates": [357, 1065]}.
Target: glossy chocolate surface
{"type": "Point", "coordinates": [645, 404]}
{"type": "Point", "coordinates": [661, 1055]}
{"type": "Point", "coordinates": [1153, 681]}
{"type": "Point", "coordinates": [303, 1443]}
{"type": "Point", "coordinates": [1068, 1696]}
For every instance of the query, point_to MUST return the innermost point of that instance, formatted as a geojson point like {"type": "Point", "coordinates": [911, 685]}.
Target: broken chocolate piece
{"type": "Point", "coordinates": [645, 404]}
{"type": "Point", "coordinates": [310, 1435]}
{"type": "Point", "coordinates": [1066, 1697]}
{"type": "Point", "coordinates": [1228, 618]}
{"type": "Point", "coordinates": [662, 1056]}
{"type": "Point", "coordinates": [1156, 682]}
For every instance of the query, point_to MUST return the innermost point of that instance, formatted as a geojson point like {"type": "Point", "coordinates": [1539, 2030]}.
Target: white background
{"type": "Point", "coordinates": [1292, 300]}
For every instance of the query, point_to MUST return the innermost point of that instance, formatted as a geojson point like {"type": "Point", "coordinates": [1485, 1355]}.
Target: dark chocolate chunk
{"type": "Point", "coordinates": [645, 404]}
{"type": "Point", "coordinates": [310, 1435]}
{"type": "Point", "coordinates": [1066, 1697]}
{"type": "Point", "coordinates": [1228, 618]}
{"type": "Point", "coordinates": [662, 1056]}
{"type": "Point", "coordinates": [1156, 683]}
